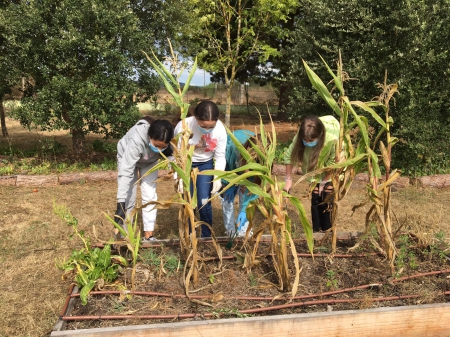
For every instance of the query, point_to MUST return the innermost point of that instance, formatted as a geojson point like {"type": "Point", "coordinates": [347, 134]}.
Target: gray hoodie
{"type": "Point", "coordinates": [133, 151]}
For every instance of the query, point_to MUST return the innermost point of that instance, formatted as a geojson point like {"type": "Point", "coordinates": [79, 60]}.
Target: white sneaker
{"type": "Point", "coordinates": [150, 239]}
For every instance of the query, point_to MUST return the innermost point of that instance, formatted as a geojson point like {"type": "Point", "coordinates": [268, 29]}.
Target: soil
{"type": "Point", "coordinates": [225, 291]}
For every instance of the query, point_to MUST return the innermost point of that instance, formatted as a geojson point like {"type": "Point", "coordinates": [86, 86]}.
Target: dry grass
{"type": "Point", "coordinates": [32, 292]}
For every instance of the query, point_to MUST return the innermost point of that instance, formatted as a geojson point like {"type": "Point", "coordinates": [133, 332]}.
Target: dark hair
{"type": "Point", "coordinates": [206, 111]}
{"type": "Point", "coordinates": [310, 128]}
{"type": "Point", "coordinates": [147, 118]}
{"type": "Point", "coordinates": [161, 130]}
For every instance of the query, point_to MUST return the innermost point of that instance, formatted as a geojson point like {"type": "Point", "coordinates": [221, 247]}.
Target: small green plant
{"type": "Point", "coordinates": [439, 247]}
{"type": "Point", "coordinates": [150, 257]}
{"type": "Point", "coordinates": [168, 262]}
{"type": "Point", "coordinates": [225, 312]}
{"type": "Point", "coordinates": [332, 282]}
{"type": "Point", "coordinates": [109, 164]}
{"type": "Point", "coordinates": [91, 266]}
{"type": "Point", "coordinates": [172, 264]}
{"type": "Point", "coordinates": [6, 170]}
{"type": "Point", "coordinates": [50, 147]}
{"type": "Point", "coordinates": [104, 147]}
{"type": "Point", "coordinates": [131, 233]}
{"type": "Point", "coordinates": [405, 255]}
{"type": "Point", "coordinates": [44, 168]}
{"type": "Point", "coordinates": [211, 278]}
{"type": "Point", "coordinates": [253, 280]}
{"type": "Point", "coordinates": [280, 150]}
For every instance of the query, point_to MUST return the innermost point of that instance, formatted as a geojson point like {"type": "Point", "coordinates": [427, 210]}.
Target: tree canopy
{"type": "Point", "coordinates": [230, 35]}
{"type": "Point", "coordinates": [408, 39]}
{"type": "Point", "coordinates": [84, 61]}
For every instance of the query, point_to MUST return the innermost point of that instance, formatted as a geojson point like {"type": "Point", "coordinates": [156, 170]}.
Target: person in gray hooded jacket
{"type": "Point", "coordinates": [137, 152]}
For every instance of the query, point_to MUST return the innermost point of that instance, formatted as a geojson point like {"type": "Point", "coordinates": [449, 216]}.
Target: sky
{"type": "Point", "coordinates": [200, 79]}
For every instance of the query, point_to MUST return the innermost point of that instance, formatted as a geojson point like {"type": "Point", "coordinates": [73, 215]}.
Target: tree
{"type": "Point", "coordinates": [230, 33]}
{"type": "Point", "coordinates": [408, 39]}
{"type": "Point", "coordinates": [8, 73]}
{"type": "Point", "coordinates": [84, 61]}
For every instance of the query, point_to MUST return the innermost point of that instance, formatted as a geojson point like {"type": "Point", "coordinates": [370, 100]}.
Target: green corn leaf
{"type": "Point", "coordinates": [368, 109]}
{"type": "Point", "coordinates": [164, 74]}
{"type": "Point", "coordinates": [257, 149]}
{"type": "Point", "coordinates": [322, 89]}
{"type": "Point", "coordinates": [304, 220]}
{"type": "Point", "coordinates": [362, 126]}
{"type": "Point", "coordinates": [337, 80]}
{"type": "Point", "coordinates": [262, 132]}
{"type": "Point", "coordinates": [191, 75]}
{"type": "Point", "coordinates": [162, 70]}
{"type": "Point", "coordinates": [375, 165]}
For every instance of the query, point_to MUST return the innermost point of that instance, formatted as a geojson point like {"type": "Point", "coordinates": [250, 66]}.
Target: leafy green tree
{"type": "Point", "coordinates": [409, 39]}
{"type": "Point", "coordinates": [84, 61]}
{"type": "Point", "coordinates": [8, 73]}
{"type": "Point", "coordinates": [230, 34]}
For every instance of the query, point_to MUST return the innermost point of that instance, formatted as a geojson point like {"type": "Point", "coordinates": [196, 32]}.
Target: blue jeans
{"type": "Point", "coordinates": [204, 187]}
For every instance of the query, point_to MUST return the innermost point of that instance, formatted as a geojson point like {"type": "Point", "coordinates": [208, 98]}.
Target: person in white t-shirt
{"type": "Point", "coordinates": [210, 140]}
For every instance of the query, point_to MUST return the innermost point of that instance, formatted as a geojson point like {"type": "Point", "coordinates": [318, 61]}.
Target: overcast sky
{"type": "Point", "coordinates": [200, 78]}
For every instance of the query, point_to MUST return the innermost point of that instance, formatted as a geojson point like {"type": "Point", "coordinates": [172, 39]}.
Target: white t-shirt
{"type": "Point", "coordinates": [208, 145]}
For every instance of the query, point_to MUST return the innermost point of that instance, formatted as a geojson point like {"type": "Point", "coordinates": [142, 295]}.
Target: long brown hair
{"type": "Point", "coordinates": [310, 128]}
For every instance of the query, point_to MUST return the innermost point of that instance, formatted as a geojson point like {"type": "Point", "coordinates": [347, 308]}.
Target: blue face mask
{"type": "Point", "coordinates": [204, 131]}
{"type": "Point", "coordinates": [309, 144]}
{"type": "Point", "coordinates": [154, 148]}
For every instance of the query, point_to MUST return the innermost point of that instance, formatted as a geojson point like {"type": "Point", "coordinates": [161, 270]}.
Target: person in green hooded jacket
{"type": "Point", "coordinates": [311, 142]}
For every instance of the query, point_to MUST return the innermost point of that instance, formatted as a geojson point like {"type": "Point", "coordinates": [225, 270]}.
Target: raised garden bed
{"type": "Point", "coordinates": [349, 294]}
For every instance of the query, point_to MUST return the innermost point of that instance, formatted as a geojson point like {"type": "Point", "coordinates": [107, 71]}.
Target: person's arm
{"type": "Point", "coordinates": [288, 165]}
{"type": "Point", "coordinates": [219, 151]}
{"type": "Point", "coordinates": [130, 157]}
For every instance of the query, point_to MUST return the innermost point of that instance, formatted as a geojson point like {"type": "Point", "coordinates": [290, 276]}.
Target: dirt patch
{"type": "Point", "coordinates": [345, 282]}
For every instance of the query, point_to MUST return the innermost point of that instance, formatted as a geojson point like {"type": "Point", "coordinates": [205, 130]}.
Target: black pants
{"type": "Point", "coordinates": [321, 210]}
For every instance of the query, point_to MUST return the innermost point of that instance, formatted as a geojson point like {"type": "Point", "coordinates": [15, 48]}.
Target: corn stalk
{"type": "Point", "coordinates": [271, 203]}
{"type": "Point", "coordinates": [181, 164]}
{"type": "Point", "coordinates": [355, 152]}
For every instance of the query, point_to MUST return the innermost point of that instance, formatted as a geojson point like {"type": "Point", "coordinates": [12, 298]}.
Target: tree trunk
{"type": "Point", "coordinates": [2, 118]}
{"type": "Point", "coordinates": [283, 102]}
{"type": "Point", "coordinates": [77, 140]}
{"type": "Point", "coordinates": [228, 107]}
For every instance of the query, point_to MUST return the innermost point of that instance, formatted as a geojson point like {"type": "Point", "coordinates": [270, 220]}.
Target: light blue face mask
{"type": "Point", "coordinates": [310, 144]}
{"type": "Point", "coordinates": [154, 148]}
{"type": "Point", "coordinates": [204, 131]}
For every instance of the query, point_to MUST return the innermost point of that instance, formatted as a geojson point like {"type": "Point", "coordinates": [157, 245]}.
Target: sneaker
{"type": "Point", "coordinates": [150, 239]}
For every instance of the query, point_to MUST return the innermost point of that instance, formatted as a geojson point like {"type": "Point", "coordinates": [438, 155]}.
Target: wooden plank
{"type": "Point", "coordinates": [37, 180]}
{"type": "Point", "coordinates": [412, 321]}
{"type": "Point", "coordinates": [8, 180]}
{"type": "Point", "coordinates": [60, 324]}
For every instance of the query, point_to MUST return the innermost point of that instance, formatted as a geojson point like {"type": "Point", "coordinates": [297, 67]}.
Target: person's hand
{"type": "Point", "coordinates": [119, 216]}
{"type": "Point", "coordinates": [217, 185]}
{"type": "Point", "coordinates": [288, 185]}
{"type": "Point", "coordinates": [230, 193]}
{"type": "Point", "coordinates": [241, 219]}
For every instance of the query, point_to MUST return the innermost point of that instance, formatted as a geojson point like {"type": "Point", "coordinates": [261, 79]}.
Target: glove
{"type": "Point", "coordinates": [119, 216]}
{"type": "Point", "coordinates": [217, 185]}
{"type": "Point", "coordinates": [230, 193]}
{"type": "Point", "coordinates": [241, 219]}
